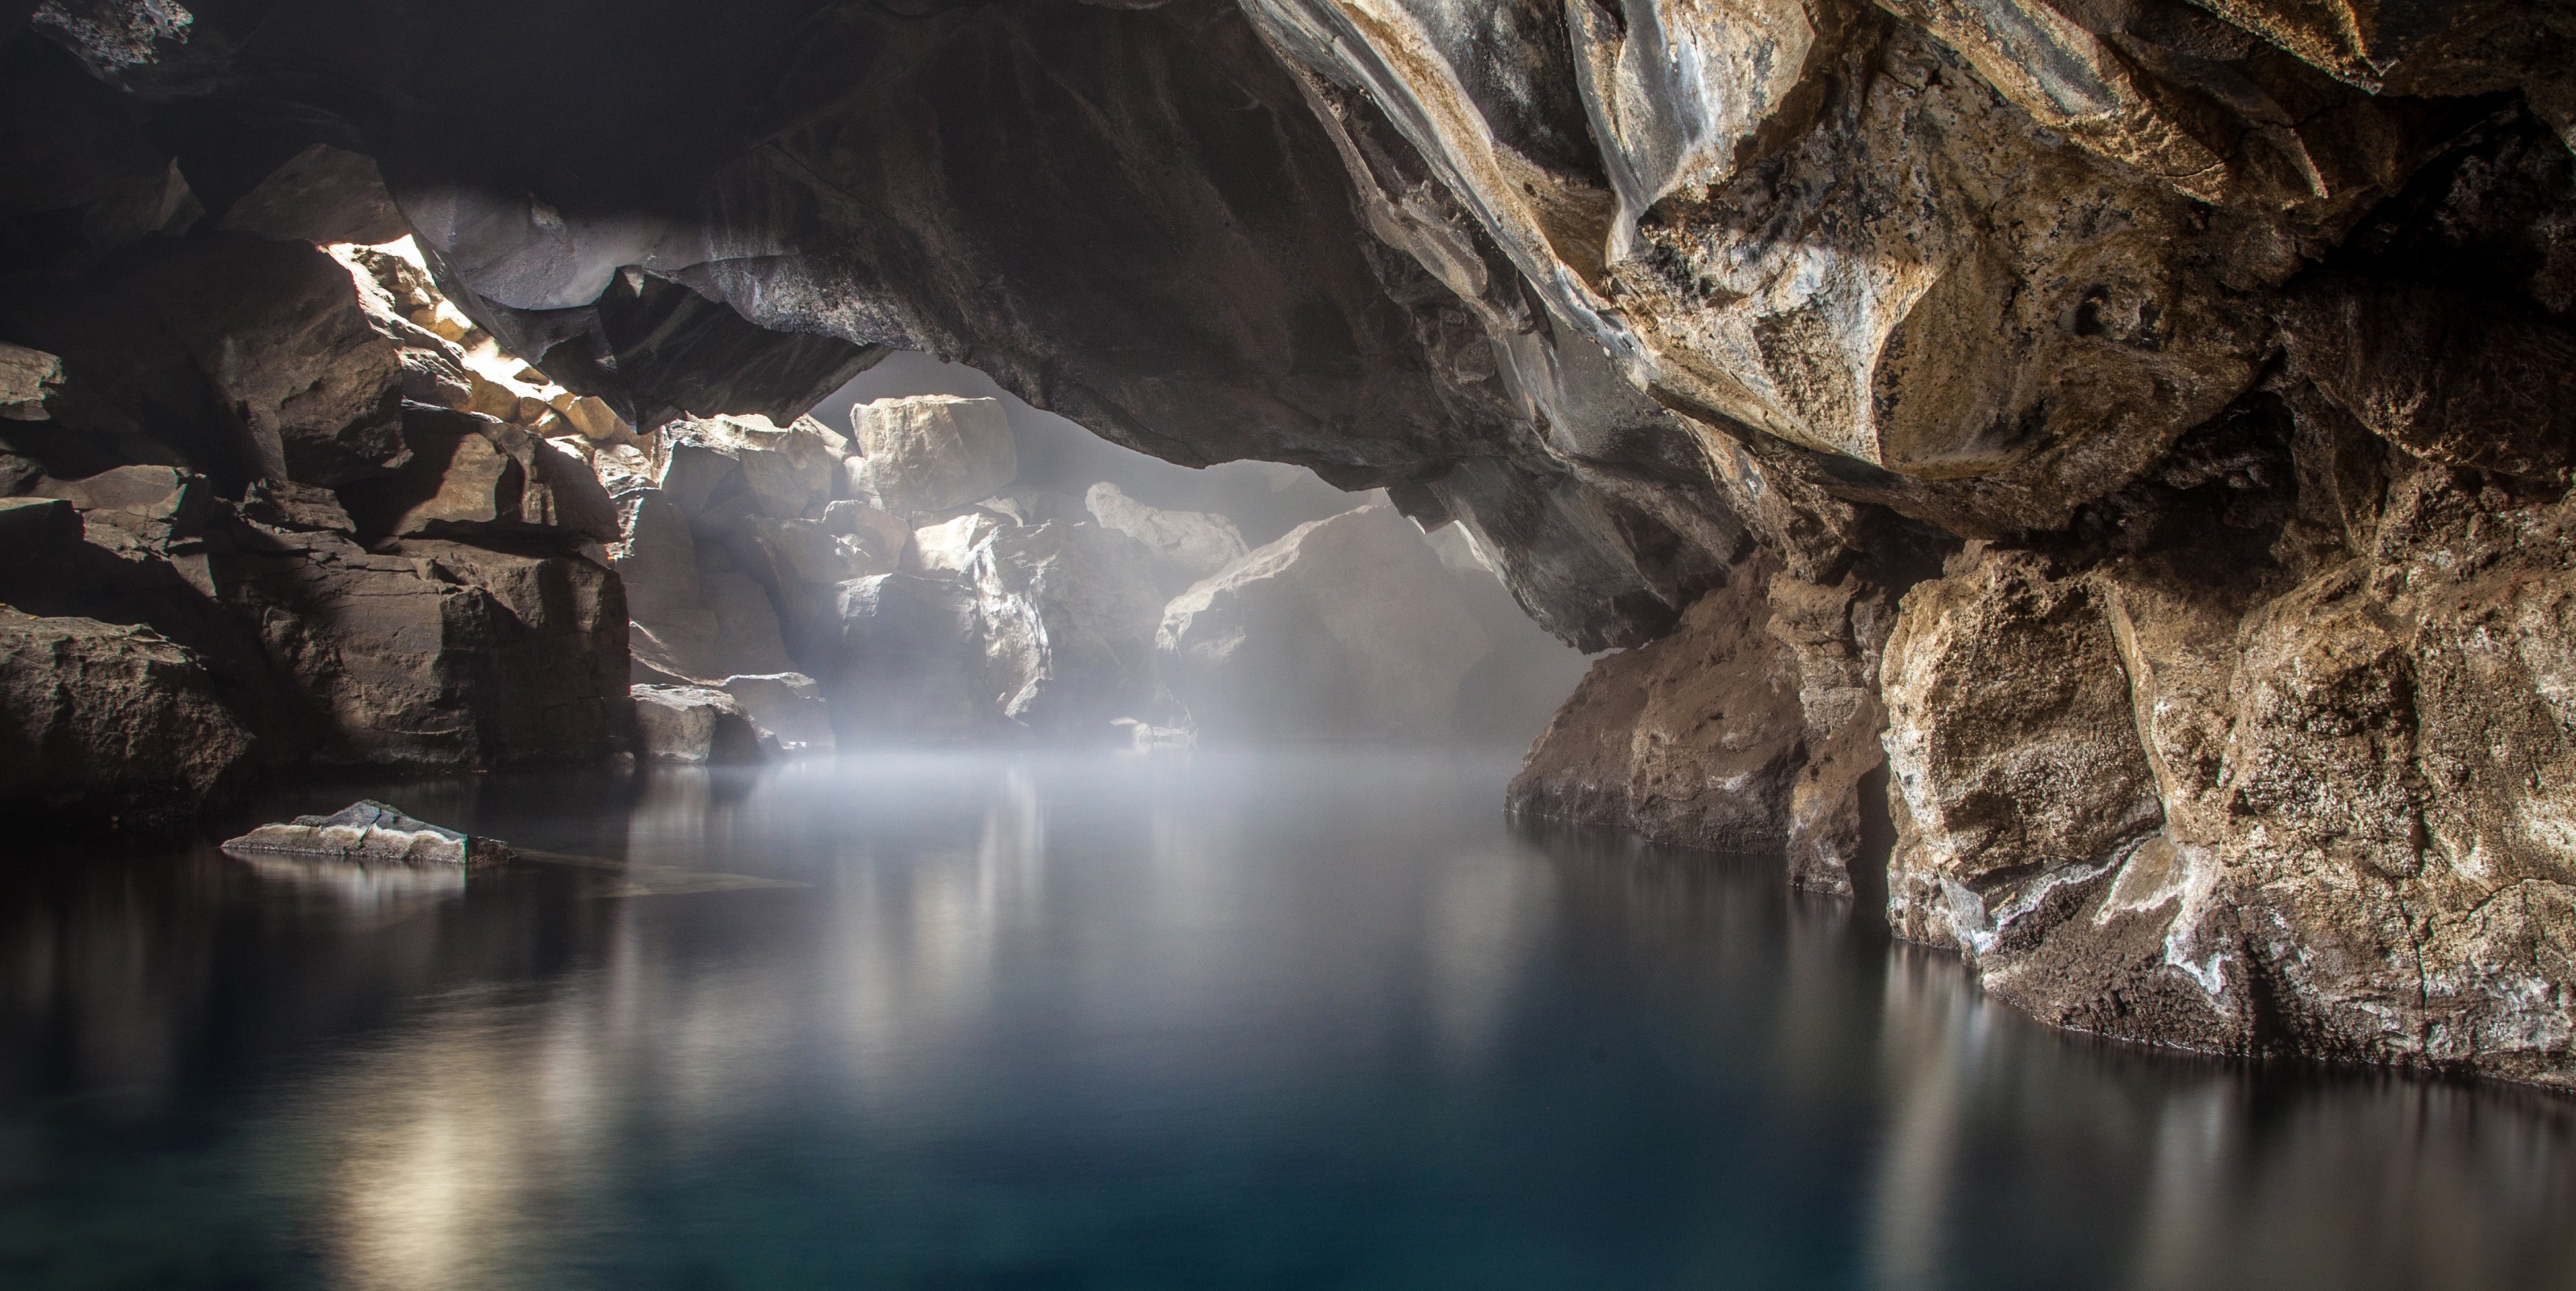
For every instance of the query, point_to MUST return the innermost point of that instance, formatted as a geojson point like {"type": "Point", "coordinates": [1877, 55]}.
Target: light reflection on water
{"type": "Point", "coordinates": [1301, 1020]}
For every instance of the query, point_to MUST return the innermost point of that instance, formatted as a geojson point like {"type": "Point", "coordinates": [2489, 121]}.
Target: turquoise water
{"type": "Point", "coordinates": [1295, 1021]}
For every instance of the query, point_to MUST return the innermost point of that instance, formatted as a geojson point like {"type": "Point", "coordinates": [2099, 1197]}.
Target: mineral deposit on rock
{"type": "Point", "coordinates": [370, 833]}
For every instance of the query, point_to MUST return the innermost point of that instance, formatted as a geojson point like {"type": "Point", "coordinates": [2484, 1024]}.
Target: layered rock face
{"type": "Point", "coordinates": [2116, 447]}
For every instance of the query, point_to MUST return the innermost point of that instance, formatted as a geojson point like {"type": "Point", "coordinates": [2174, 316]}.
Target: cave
{"type": "Point", "coordinates": [2079, 487]}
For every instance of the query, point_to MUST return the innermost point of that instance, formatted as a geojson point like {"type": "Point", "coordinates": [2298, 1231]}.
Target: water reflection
{"type": "Point", "coordinates": [1297, 1020]}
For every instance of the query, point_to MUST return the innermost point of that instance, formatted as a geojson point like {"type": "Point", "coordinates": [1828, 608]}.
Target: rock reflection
{"type": "Point", "coordinates": [1191, 1023]}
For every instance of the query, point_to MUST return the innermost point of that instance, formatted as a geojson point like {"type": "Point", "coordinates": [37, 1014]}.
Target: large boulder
{"type": "Point", "coordinates": [1186, 545]}
{"type": "Point", "coordinates": [438, 653]}
{"type": "Point", "coordinates": [692, 725]}
{"type": "Point", "coordinates": [110, 719]}
{"type": "Point", "coordinates": [1696, 740]}
{"type": "Point", "coordinates": [1345, 628]}
{"type": "Point", "coordinates": [1067, 615]}
{"type": "Point", "coordinates": [749, 466]}
{"type": "Point", "coordinates": [909, 662]}
{"type": "Point", "coordinates": [929, 453]}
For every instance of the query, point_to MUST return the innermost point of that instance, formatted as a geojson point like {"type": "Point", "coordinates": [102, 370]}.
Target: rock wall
{"type": "Point", "coordinates": [2114, 447]}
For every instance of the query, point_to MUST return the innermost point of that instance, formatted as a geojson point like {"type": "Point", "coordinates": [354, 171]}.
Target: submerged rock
{"type": "Point", "coordinates": [369, 832]}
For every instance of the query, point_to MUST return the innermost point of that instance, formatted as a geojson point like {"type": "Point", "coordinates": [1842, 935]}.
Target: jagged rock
{"type": "Point", "coordinates": [1347, 627]}
{"type": "Point", "coordinates": [367, 832]}
{"type": "Point", "coordinates": [107, 719]}
{"type": "Point", "coordinates": [930, 453]}
{"type": "Point", "coordinates": [436, 653]}
{"type": "Point", "coordinates": [692, 724]}
{"type": "Point", "coordinates": [1697, 739]}
{"type": "Point", "coordinates": [949, 546]}
{"type": "Point", "coordinates": [782, 474]}
{"type": "Point", "coordinates": [284, 504]}
{"type": "Point", "coordinates": [1067, 616]}
{"type": "Point", "coordinates": [281, 336]}
{"type": "Point", "coordinates": [470, 474]}
{"type": "Point", "coordinates": [2316, 817]}
{"type": "Point", "coordinates": [786, 710]}
{"type": "Point", "coordinates": [1187, 545]}
{"type": "Point", "coordinates": [2172, 302]}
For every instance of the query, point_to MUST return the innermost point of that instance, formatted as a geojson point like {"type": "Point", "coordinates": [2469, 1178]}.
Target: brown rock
{"type": "Point", "coordinates": [472, 475]}
{"type": "Point", "coordinates": [1694, 740]}
{"type": "Point", "coordinates": [101, 718]}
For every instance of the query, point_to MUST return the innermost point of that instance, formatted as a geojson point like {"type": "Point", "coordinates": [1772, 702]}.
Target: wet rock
{"type": "Point", "coordinates": [692, 725]}
{"type": "Point", "coordinates": [1186, 545]}
{"type": "Point", "coordinates": [2011, 745]}
{"type": "Point", "coordinates": [105, 719]}
{"type": "Point", "coordinates": [367, 832]}
{"type": "Point", "coordinates": [929, 453]}
{"type": "Point", "coordinates": [1697, 739]}
{"type": "Point", "coordinates": [1345, 628]}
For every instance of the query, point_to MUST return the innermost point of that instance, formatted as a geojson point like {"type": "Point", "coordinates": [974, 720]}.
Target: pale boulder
{"type": "Point", "coordinates": [1345, 628]}
{"type": "Point", "coordinates": [692, 725]}
{"type": "Point", "coordinates": [1186, 545]}
{"type": "Point", "coordinates": [930, 453]}
{"type": "Point", "coordinates": [787, 712]}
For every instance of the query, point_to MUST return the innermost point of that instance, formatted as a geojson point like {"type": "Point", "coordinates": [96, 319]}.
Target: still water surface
{"type": "Point", "coordinates": [1294, 1021]}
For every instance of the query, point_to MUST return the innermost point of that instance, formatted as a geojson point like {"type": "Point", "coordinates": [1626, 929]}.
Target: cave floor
{"type": "Point", "coordinates": [1302, 1019]}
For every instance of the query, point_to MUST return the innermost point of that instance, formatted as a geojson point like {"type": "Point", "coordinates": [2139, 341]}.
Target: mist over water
{"type": "Point", "coordinates": [1504, 702]}
{"type": "Point", "coordinates": [1305, 1019]}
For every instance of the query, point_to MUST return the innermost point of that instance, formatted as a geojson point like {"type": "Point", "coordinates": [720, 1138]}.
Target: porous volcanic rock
{"type": "Point", "coordinates": [1697, 739]}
